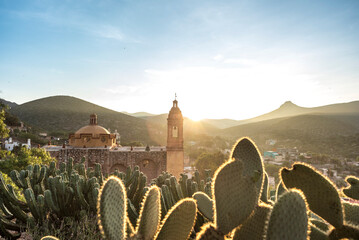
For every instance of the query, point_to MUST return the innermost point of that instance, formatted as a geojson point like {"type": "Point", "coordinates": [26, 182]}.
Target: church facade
{"type": "Point", "coordinates": [97, 145]}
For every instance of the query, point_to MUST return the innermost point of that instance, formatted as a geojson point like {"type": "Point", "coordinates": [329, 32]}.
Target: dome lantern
{"type": "Point", "coordinates": [93, 119]}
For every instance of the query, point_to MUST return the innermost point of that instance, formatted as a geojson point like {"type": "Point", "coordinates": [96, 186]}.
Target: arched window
{"type": "Point", "coordinates": [175, 132]}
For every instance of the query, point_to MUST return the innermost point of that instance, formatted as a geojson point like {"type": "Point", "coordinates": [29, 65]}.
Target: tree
{"type": "Point", "coordinates": [209, 161]}
{"type": "Point", "coordinates": [11, 120]}
{"type": "Point", "coordinates": [22, 157]}
{"type": "Point", "coordinates": [4, 132]}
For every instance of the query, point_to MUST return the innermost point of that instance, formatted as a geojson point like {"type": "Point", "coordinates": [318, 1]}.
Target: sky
{"type": "Point", "coordinates": [223, 59]}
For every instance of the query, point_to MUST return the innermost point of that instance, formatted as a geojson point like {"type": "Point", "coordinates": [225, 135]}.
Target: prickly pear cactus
{"type": "Point", "coordinates": [205, 204]}
{"type": "Point", "coordinates": [235, 195]}
{"type": "Point", "coordinates": [289, 219]}
{"type": "Point", "coordinates": [254, 227]}
{"type": "Point", "coordinates": [112, 207]}
{"type": "Point", "coordinates": [179, 221]}
{"type": "Point", "coordinates": [321, 194]}
{"type": "Point", "coordinates": [265, 190]}
{"type": "Point", "coordinates": [247, 152]}
{"type": "Point", "coordinates": [280, 190]}
{"type": "Point", "coordinates": [351, 211]}
{"type": "Point", "coordinates": [150, 214]}
{"type": "Point", "coordinates": [49, 238]}
{"type": "Point", "coordinates": [352, 190]}
{"type": "Point", "coordinates": [209, 232]}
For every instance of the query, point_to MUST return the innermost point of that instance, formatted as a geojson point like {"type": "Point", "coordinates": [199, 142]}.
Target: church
{"type": "Point", "coordinates": [97, 145]}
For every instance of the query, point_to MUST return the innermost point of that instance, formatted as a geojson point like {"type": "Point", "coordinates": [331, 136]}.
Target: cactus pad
{"type": "Point", "coordinates": [246, 151]}
{"type": "Point", "coordinates": [112, 209]}
{"type": "Point", "coordinates": [150, 214]}
{"type": "Point", "coordinates": [235, 196]}
{"type": "Point", "coordinates": [209, 232]}
{"type": "Point", "coordinates": [351, 212]}
{"type": "Point", "coordinates": [352, 190]}
{"type": "Point", "coordinates": [321, 194]}
{"type": "Point", "coordinates": [254, 227]}
{"type": "Point", "coordinates": [205, 204]}
{"type": "Point", "coordinates": [289, 219]}
{"type": "Point", "coordinates": [179, 221]}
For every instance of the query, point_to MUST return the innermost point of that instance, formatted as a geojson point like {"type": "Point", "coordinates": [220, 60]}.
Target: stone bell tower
{"type": "Point", "coordinates": [175, 154]}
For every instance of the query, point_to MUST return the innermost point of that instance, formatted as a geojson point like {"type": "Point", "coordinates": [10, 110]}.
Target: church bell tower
{"type": "Point", "coordinates": [175, 154]}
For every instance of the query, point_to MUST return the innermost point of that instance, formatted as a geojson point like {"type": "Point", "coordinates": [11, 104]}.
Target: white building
{"type": "Point", "coordinates": [10, 144]}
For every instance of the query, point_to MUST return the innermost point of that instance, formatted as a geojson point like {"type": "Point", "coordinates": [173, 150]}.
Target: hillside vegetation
{"type": "Point", "coordinates": [289, 109]}
{"type": "Point", "coordinates": [331, 129]}
{"type": "Point", "coordinates": [68, 114]}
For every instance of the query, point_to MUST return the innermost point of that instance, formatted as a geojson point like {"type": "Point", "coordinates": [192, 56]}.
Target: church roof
{"type": "Point", "coordinates": [175, 112]}
{"type": "Point", "coordinates": [92, 129]}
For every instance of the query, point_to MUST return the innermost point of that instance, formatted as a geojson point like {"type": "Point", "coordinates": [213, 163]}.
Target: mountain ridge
{"type": "Point", "coordinates": [68, 114]}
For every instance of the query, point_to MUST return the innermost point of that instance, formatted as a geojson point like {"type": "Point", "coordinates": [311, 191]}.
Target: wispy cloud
{"type": "Point", "coordinates": [77, 21]}
{"type": "Point", "coordinates": [107, 31]}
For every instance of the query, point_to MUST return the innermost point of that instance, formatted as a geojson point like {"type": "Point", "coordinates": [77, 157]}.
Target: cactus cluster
{"type": "Point", "coordinates": [237, 205]}
{"type": "Point", "coordinates": [51, 194]}
{"type": "Point", "coordinates": [172, 190]}
{"type": "Point", "coordinates": [114, 222]}
{"type": "Point", "coordinates": [135, 183]}
{"type": "Point", "coordinates": [306, 204]}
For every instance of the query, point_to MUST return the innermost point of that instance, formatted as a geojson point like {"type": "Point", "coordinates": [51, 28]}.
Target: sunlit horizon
{"type": "Point", "coordinates": [232, 59]}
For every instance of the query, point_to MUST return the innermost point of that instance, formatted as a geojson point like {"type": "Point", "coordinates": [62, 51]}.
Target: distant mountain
{"type": "Point", "coordinates": [10, 104]}
{"type": "Point", "coordinates": [222, 123]}
{"type": "Point", "coordinates": [68, 114]}
{"type": "Point", "coordinates": [333, 134]}
{"type": "Point", "coordinates": [289, 127]}
{"type": "Point", "coordinates": [140, 114]}
{"type": "Point", "coordinates": [289, 109]}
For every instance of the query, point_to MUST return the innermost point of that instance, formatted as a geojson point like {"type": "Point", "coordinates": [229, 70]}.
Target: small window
{"type": "Point", "coordinates": [174, 132]}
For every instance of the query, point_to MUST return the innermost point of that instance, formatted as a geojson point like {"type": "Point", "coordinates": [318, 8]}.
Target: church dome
{"type": "Point", "coordinates": [92, 129]}
{"type": "Point", "coordinates": [92, 135]}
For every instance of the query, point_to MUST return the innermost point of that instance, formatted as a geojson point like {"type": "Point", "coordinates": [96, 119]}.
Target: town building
{"type": "Point", "coordinates": [97, 145]}
{"type": "Point", "coordinates": [9, 144]}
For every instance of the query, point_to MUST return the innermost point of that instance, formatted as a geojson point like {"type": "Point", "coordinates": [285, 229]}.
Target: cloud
{"type": "Point", "coordinates": [77, 21]}
{"type": "Point", "coordinates": [106, 31]}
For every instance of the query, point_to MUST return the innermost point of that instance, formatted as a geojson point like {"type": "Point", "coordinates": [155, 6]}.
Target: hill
{"type": "Point", "coordinates": [10, 104]}
{"type": "Point", "coordinates": [68, 114]}
{"type": "Point", "coordinates": [222, 123]}
{"type": "Point", "coordinates": [333, 134]}
{"type": "Point", "coordinates": [289, 109]}
{"type": "Point", "coordinates": [317, 125]}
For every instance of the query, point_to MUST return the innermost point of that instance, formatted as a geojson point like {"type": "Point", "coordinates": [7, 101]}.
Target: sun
{"type": "Point", "coordinates": [195, 117]}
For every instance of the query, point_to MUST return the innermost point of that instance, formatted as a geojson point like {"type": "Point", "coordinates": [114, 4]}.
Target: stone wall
{"type": "Point", "coordinates": [151, 163]}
